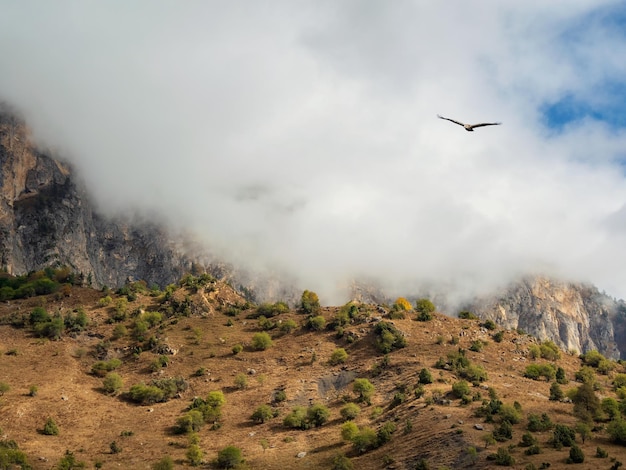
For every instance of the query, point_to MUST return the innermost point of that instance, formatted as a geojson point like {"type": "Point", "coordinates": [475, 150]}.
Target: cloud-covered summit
{"type": "Point", "coordinates": [302, 137]}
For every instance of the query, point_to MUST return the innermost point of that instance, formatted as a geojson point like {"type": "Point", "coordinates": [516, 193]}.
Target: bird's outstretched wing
{"type": "Point", "coordinates": [483, 124]}
{"type": "Point", "coordinates": [451, 120]}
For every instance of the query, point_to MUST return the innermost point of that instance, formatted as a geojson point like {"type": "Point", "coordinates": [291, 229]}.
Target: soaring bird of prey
{"type": "Point", "coordinates": [470, 127]}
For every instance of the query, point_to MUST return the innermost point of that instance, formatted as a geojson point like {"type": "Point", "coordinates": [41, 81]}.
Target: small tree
{"type": "Point", "coordinates": [262, 413]}
{"type": "Point", "coordinates": [229, 457]}
{"type": "Point", "coordinates": [317, 414]}
{"type": "Point", "coordinates": [112, 383]}
{"type": "Point", "coordinates": [309, 303]}
{"type": "Point", "coordinates": [349, 430]}
{"type": "Point", "coordinates": [194, 455]}
{"type": "Point", "coordinates": [576, 455]}
{"type": "Point", "coordinates": [425, 376]}
{"type": "Point", "coordinates": [50, 428]}
{"type": "Point", "coordinates": [261, 341]}
{"type": "Point", "coordinates": [166, 463]}
{"type": "Point", "coordinates": [316, 323]}
{"type": "Point", "coordinates": [364, 389]}
{"type": "Point", "coordinates": [424, 309]}
{"type": "Point", "coordinates": [338, 356]}
{"type": "Point", "coordinates": [241, 381]}
{"type": "Point", "coordinates": [556, 393]}
{"type": "Point", "coordinates": [350, 411]}
{"type": "Point", "coordinates": [341, 462]}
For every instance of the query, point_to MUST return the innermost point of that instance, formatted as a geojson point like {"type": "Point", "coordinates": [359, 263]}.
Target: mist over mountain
{"type": "Point", "coordinates": [303, 141]}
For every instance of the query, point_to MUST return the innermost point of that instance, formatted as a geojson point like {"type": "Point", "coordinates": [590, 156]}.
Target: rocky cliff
{"type": "Point", "coordinates": [46, 218]}
{"type": "Point", "coordinates": [575, 316]}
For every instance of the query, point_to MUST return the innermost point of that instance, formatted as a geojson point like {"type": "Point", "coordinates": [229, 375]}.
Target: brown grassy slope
{"type": "Point", "coordinates": [90, 420]}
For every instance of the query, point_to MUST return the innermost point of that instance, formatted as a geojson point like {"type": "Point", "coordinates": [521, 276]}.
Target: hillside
{"type": "Point", "coordinates": [192, 338]}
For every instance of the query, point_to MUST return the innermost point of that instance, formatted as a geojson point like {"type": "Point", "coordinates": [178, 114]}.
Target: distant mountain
{"type": "Point", "coordinates": [47, 218]}
{"type": "Point", "coordinates": [575, 316]}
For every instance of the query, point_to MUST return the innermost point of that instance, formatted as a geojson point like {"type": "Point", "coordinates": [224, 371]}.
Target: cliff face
{"type": "Point", "coordinates": [575, 316]}
{"type": "Point", "coordinates": [46, 218]}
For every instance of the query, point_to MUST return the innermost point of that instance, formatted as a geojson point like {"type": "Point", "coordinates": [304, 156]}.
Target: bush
{"type": "Point", "coordinates": [498, 337]}
{"type": "Point", "coordinates": [466, 315]}
{"type": "Point", "coordinates": [510, 413]}
{"type": "Point", "coordinates": [309, 303]}
{"type": "Point", "coordinates": [101, 368]}
{"type": "Point", "coordinates": [297, 418]}
{"type": "Point", "coordinates": [229, 457]}
{"type": "Point", "coordinates": [261, 341]}
{"type": "Point", "coordinates": [338, 356]}
{"type": "Point", "coordinates": [318, 414]}
{"type": "Point", "coordinates": [586, 403]}
{"type": "Point", "coordinates": [241, 381]}
{"type": "Point", "coordinates": [402, 305]}
{"type": "Point", "coordinates": [146, 394]}
{"type": "Point", "coordinates": [195, 455]}
{"type": "Point", "coordinates": [191, 421]}
{"type": "Point", "coordinates": [50, 428]}
{"type": "Point", "coordinates": [166, 463]}
{"type": "Point", "coordinates": [536, 371]}
{"type": "Point", "coordinates": [288, 326]}
{"type": "Point", "coordinates": [616, 429]}
{"type": "Point", "coordinates": [349, 430]}
{"type": "Point", "coordinates": [563, 436]}
{"type": "Point", "coordinates": [527, 440]}
{"type": "Point", "coordinates": [270, 310]}
{"type": "Point", "coordinates": [549, 351]}
{"type": "Point", "coordinates": [365, 440]}
{"type": "Point", "coordinates": [592, 358]}
{"type": "Point", "coordinates": [561, 378]}
{"type": "Point", "coordinates": [262, 414]}
{"type": "Point", "coordinates": [504, 432]}
{"type": "Point", "coordinates": [425, 377]}
{"type": "Point", "coordinates": [460, 389]}
{"type": "Point", "coordinates": [489, 325]}
{"type": "Point", "coordinates": [237, 348]}
{"type": "Point", "coordinates": [476, 346]}
{"type": "Point", "coordinates": [585, 374]}
{"type": "Point", "coordinates": [424, 309]}
{"type": "Point", "coordinates": [538, 423]}
{"type": "Point", "coordinates": [556, 393]}
{"type": "Point", "coordinates": [69, 462]}
{"type": "Point", "coordinates": [364, 389]}
{"type": "Point", "coordinates": [316, 323]}
{"type": "Point", "coordinates": [576, 455]}
{"type": "Point", "coordinates": [388, 337]}
{"type": "Point", "coordinates": [341, 462]}
{"type": "Point", "coordinates": [112, 383]}
{"type": "Point", "coordinates": [502, 457]}
{"type": "Point", "coordinates": [350, 411]}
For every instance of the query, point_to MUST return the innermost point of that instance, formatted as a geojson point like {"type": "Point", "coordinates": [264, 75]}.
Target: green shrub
{"type": "Point", "coordinates": [112, 383]}
{"type": "Point", "coordinates": [350, 411]}
{"type": "Point", "coordinates": [538, 423]}
{"type": "Point", "coordinates": [341, 462]}
{"type": "Point", "coordinates": [556, 393]}
{"type": "Point", "coordinates": [504, 432]}
{"type": "Point", "coordinates": [489, 325]}
{"type": "Point", "coordinates": [318, 414]}
{"type": "Point", "coordinates": [101, 368]}
{"type": "Point", "coordinates": [146, 394]}
{"type": "Point", "coordinates": [549, 351]}
{"type": "Point", "coordinates": [266, 324]}
{"type": "Point", "coordinates": [309, 303]}
{"type": "Point", "coordinates": [237, 348]}
{"type": "Point", "coordinates": [365, 440]}
{"type": "Point", "coordinates": [537, 371]}
{"type": "Point", "coordinates": [166, 463]}
{"type": "Point", "coordinates": [241, 381]}
{"type": "Point", "coordinates": [288, 326]}
{"type": "Point", "coordinates": [402, 305]}
{"type": "Point", "coordinates": [50, 428]}
{"type": "Point", "coordinates": [191, 421]}
{"type": "Point", "coordinates": [271, 310]}
{"type": "Point", "coordinates": [601, 453]}
{"type": "Point", "coordinates": [349, 430]}
{"type": "Point", "coordinates": [424, 309]}
{"type": "Point", "coordinates": [388, 337]}
{"type": "Point", "coordinates": [502, 457]}
{"type": "Point", "coordinates": [592, 358]}
{"type": "Point", "coordinates": [69, 462]}
{"type": "Point", "coordinates": [576, 455]}
{"type": "Point", "coordinates": [510, 413]}
{"type": "Point", "coordinates": [338, 356]}
{"type": "Point", "coordinates": [527, 440]}
{"type": "Point", "coordinates": [261, 341]}
{"type": "Point", "coordinates": [586, 374]}
{"type": "Point", "coordinates": [384, 433]}
{"type": "Point", "coordinates": [460, 389]}
{"type": "Point", "coordinates": [425, 377]}
{"type": "Point", "coordinates": [619, 381]}
{"type": "Point", "coordinates": [476, 346]}
{"type": "Point", "coordinates": [466, 315]}
{"type": "Point", "coordinates": [364, 390]}
{"type": "Point", "coordinates": [316, 323]}
{"type": "Point", "coordinates": [119, 332]}
{"type": "Point", "coordinates": [586, 403]}
{"type": "Point", "coordinates": [616, 429]}
{"type": "Point", "coordinates": [297, 418]}
{"type": "Point", "coordinates": [195, 455]}
{"type": "Point", "coordinates": [229, 457]}
{"type": "Point", "coordinates": [498, 337]}
{"type": "Point", "coordinates": [561, 378]}
{"type": "Point", "coordinates": [563, 436]}
{"type": "Point", "coordinates": [262, 414]}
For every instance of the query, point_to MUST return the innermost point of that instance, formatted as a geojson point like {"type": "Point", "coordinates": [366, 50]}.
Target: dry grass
{"type": "Point", "coordinates": [89, 420]}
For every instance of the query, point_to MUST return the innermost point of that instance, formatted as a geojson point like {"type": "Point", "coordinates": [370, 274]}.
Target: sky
{"type": "Point", "coordinates": [301, 139]}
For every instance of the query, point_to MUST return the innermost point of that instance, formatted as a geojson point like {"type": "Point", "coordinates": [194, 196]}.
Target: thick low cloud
{"type": "Point", "coordinates": [301, 137]}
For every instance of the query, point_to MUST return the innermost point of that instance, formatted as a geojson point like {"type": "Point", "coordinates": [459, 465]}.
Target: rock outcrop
{"type": "Point", "coordinates": [577, 317]}
{"type": "Point", "coordinates": [46, 218]}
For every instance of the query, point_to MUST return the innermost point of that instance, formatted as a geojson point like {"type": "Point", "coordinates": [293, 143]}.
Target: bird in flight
{"type": "Point", "coordinates": [470, 127]}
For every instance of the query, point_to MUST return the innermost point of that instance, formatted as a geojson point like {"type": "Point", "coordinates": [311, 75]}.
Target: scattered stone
{"type": "Point", "coordinates": [251, 371]}
{"type": "Point", "coordinates": [301, 455]}
{"type": "Point", "coordinates": [460, 421]}
{"type": "Point", "coordinates": [150, 410]}
{"type": "Point", "coordinates": [479, 427]}
{"type": "Point", "coordinates": [64, 398]}
{"type": "Point", "coordinates": [251, 434]}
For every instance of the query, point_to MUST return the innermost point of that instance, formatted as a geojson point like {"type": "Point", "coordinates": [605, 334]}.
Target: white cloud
{"type": "Point", "coordinates": [302, 135]}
